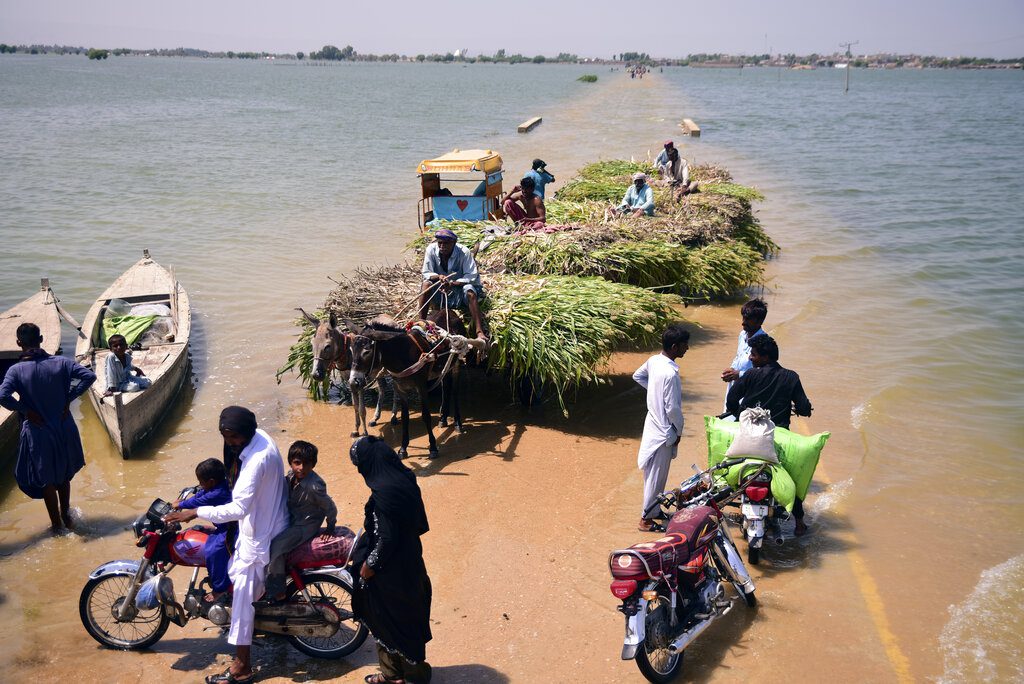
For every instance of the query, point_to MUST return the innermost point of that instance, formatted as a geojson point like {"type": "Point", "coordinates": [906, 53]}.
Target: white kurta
{"type": "Point", "coordinates": [260, 504]}
{"type": "Point", "coordinates": [664, 422]}
{"type": "Point", "coordinates": [662, 427]}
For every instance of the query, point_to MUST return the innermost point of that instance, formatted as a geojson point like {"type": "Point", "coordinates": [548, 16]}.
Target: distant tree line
{"type": "Point", "coordinates": [348, 53]}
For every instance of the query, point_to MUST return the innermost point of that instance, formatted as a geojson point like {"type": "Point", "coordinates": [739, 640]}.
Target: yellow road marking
{"type": "Point", "coordinates": [876, 608]}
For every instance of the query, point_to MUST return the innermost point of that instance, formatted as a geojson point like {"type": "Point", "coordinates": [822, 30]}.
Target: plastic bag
{"type": "Point", "coordinates": [118, 307]}
{"type": "Point", "coordinates": [756, 436]}
{"type": "Point", "coordinates": [151, 310]}
{"type": "Point", "coordinates": [148, 596]}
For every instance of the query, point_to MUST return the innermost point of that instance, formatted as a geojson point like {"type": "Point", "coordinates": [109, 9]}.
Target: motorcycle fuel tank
{"type": "Point", "coordinates": [187, 549]}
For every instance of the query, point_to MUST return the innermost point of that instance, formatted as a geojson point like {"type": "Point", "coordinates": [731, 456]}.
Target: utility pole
{"type": "Point", "coordinates": [849, 56]}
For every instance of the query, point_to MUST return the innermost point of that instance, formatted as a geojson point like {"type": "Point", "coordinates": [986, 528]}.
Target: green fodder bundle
{"type": "Point", "coordinates": [300, 360]}
{"type": "Point", "coordinates": [710, 173]}
{"type": "Point", "coordinates": [604, 181]}
{"type": "Point", "coordinates": [588, 78]}
{"type": "Point", "coordinates": [562, 329]}
{"type": "Point", "coordinates": [723, 268]}
{"type": "Point", "coordinates": [565, 212]}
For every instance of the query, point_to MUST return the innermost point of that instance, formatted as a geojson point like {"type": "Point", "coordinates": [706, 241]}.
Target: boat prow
{"type": "Point", "coordinates": [131, 417]}
{"type": "Point", "coordinates": [41, 309]}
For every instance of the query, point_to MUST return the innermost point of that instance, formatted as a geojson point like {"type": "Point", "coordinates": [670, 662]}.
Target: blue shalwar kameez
{"type": "Point", "coordinates": [49, 454]}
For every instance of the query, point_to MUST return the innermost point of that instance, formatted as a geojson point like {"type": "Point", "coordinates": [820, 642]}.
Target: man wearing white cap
{"type": "Point", "coordinates": [639, 199]}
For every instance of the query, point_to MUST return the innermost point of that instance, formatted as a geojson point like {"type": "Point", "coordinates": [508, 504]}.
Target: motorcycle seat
{"type": "Point", "coordinates": [697, 524]}
{"type": "Point", "coordinates": [317, 554]}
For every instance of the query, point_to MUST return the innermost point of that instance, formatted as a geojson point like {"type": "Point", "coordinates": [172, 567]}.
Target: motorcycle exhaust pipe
{"type": "Point", "coordinates": [687, 637]}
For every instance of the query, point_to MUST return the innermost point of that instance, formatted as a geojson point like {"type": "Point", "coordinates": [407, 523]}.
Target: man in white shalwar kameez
{"type": "Point", "coordinates": [259, 504]}
{"type": "Point", "coordinates": [663, 426]}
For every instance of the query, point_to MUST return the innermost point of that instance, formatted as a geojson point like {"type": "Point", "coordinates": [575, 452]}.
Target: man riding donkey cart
{"type": "Point", "coordinates": [429, 352]}
{"type": "Point", "coordinates": [451, 279]}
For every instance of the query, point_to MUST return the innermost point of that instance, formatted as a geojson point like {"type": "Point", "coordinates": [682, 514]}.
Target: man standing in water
{"type": "Point", "coordinates": [451, 279]}
{"type": "Point", "coordinates": [49, 447]}
{"type": "Point", "coordinates": [259, 503]}
{"type": "Point", "coordinates": [663, 426]}
{"type": "Point", "coordinates": [775, 388]}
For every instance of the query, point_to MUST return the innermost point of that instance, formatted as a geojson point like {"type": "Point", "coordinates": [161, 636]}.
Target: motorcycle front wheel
{"type": "Point", "coordinates": [335, 595]}
{"type": "Point", "coordinates": [100, 600]}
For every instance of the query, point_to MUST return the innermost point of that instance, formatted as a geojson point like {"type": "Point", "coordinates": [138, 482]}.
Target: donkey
{"type": "Point", "coordinates": [414, 363]}
{"type": "Point", "coordinates": [331, 351]}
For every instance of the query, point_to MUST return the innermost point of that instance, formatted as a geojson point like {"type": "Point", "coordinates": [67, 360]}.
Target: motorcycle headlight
{"type": "Point", "coordinates": [139, 525]}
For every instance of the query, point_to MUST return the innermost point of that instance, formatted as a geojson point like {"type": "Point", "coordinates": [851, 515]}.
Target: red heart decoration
{"type": "Point", "coordinates": [462, 204]}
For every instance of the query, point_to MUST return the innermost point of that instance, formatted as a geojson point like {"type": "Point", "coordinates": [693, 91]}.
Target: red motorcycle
{"type": "Point", "coordinates": [673, 588]}
{"type": "Point", "coordinates": [128, 604]}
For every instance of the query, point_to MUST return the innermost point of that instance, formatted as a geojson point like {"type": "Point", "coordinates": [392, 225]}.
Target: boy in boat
{"type": "Point", "coordinates": [308, 507]}
{"type": "Point", "coordinates": [120, 368]}
{"type": "Point", "coordinates": [451, 279]}
{"type": "Point", "coordinates": [213, 480]}
{"type": "Point", "coordinates": [531, 215]}
{"type": "Point", "coordinates": [775, 388]}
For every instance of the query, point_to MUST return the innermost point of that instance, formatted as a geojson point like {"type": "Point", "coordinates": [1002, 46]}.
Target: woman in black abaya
{"type": "Point", "coordinates": [392, 594]}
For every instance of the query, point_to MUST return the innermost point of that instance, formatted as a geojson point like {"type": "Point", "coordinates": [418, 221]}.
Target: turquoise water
{"type": "Point", "coordinates": [898, 206]}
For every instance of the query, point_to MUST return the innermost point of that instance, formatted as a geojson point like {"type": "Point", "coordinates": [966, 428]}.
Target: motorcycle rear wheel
{"type": "Point", "coordinates": [100, 597]}
{"type": "Point", "coordinates": [350, 635]}
{"type": "Point", "coordinates": [658, 666]}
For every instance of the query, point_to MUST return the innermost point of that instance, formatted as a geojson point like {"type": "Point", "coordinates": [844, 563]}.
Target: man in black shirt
{"type": "Point", "coordinates": [769, 385]}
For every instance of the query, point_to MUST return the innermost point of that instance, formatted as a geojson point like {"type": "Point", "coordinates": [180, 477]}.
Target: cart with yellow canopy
{"type": "Point", "coordinates": [463, 185]}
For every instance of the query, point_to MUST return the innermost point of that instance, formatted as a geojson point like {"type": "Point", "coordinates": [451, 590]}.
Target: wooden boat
{"type": "Point", "coordinates": [131, 417]}
{"type": "Point", "coordinates": [41, 309]}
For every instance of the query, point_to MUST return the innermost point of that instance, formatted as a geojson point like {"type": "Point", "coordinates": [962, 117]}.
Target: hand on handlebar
{"type": "Point", "coordinates": [180, 516]}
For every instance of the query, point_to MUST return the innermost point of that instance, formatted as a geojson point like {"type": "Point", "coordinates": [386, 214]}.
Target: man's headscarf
{"type": "Point", "coordinates": [639, 175]}
{"type": "Point", "coordinates": [241, 421]}
{"type": "Point", "coordinates": [393, 487]}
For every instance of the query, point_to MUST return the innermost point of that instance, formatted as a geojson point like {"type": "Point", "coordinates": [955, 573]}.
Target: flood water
{"type": "Point", "coordinates": [897, 206]}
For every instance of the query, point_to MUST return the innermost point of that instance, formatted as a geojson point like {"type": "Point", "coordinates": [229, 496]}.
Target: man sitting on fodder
{"type": "Point", "coordinates": [638, 201]}
{"type": "Point", "coordinates": [675, 173]}
{"type": "Point", "coordinates": [531, 215]}
{"type": "Point", "coordinates": [451, 279]}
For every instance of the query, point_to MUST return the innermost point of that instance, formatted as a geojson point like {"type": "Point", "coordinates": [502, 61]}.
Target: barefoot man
{"type": "Point", "coordinates": [49, 448]}
{"type": "Point", "coordinates": [451, 279]}
{"type": "Point", "coordinates": [531, 215]}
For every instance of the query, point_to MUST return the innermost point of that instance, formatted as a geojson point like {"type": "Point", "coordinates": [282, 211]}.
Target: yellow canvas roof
{"type": "Point", "coordinates": [462, 161]}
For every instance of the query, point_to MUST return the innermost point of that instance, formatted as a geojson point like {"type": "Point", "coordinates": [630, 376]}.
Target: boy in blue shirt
{"type": "Point", "coordinates": [213, 479]}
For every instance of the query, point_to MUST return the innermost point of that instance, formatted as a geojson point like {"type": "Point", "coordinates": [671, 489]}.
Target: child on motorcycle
{"type": "Point", "coordinates": [308, 507]}
{"type": "Point", "coordinates": [212, 478]}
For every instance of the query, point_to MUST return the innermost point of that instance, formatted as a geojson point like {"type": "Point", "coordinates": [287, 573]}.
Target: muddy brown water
{"type": "Point", "coordinates": [525, 506]}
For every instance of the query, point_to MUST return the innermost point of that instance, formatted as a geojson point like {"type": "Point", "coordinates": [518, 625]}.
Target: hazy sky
{"type": "Point", "coordinates": [598, 28]}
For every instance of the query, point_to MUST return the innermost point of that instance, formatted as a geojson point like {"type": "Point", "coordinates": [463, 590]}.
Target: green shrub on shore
{"type": "Point", "coordinates": [95, 53]}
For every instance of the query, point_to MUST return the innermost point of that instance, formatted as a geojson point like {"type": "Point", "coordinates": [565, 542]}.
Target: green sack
{"type": "Point", "coordinates": [131, 327]}
{"type": "Point", "coordinates": [797, 453]}
{"type": "Point", "coordinates": [782, 485]}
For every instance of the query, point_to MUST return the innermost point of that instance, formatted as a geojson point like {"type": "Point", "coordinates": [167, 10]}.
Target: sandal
{"type": "Point", "coordinates": [226, 677]}
{"type": "Point", "coordinates": [379, 678]}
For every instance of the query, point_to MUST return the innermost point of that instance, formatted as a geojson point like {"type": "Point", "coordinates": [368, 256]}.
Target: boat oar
{"type": "Point", "coordinates": [45, 283]}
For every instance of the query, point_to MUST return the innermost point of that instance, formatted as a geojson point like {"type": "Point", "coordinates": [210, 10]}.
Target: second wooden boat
{"type": "Point", "coordinates": [131, 417]}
